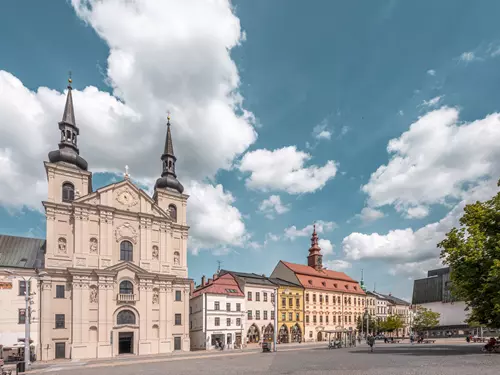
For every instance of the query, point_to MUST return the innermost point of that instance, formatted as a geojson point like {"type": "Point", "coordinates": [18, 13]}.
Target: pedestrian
{"type": "Point", "coordinates": [371, 342]}
{"type": "Point", "coordinates": [412, 338]}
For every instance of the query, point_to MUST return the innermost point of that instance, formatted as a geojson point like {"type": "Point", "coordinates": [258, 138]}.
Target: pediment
{"type": "Point", "coordinates": [127, 266]}
{"type": "Point", "coordinates": [92, 199]}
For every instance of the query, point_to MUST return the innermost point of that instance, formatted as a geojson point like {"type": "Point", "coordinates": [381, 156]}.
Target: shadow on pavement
{"type": "Point", "coordinates": [421, 350]}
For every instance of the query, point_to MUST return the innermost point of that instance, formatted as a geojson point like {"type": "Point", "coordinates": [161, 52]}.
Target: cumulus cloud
{"type": "Point", "coordinates": [321, 131]}
{"type": "Point", "coordinates": [369, 215]}
{"type": "Point", "coordinates": [326, 246]}
{"type": "Point", "coordinates": [272, 206]}
{"type": "Point", "coordinates": [284, 170]}
{"type": "Point", "coordinates": [321, 227]}
{"type": "Point", "coordinates": [337, 264]}
{"type": "Point", "coordinates": [468, 57]}
{"type": "Point", "coordinates": [163, 56]}
{"type": "Point", "coordinates": [431, 72]}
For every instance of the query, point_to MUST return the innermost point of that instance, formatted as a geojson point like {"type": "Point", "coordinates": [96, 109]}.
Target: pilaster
{"type": "Point", "coordinates": [163, 307]}
{"type": "Point", "coordinates": [46, 319]}
{"type": "Point", "coordinates": [169, 312]}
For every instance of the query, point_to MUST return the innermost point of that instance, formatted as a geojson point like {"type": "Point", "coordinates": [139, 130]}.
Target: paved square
{"type": "Point", "coordinates": [386, 359]}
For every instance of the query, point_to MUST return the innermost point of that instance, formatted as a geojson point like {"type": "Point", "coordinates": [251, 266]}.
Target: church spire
{"type": "Point", "coordinates": [315, 258]}
{"type": "Point", "coordinates": [68, 146]}
{"type": "Point", "coordinates": [168, 179]}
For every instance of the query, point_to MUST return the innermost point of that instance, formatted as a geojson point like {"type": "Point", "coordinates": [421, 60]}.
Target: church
{"type": "Point", "coordinates": [115, 261]}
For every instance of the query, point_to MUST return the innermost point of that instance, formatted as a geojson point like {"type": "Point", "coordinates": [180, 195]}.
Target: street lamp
{"type": "Point", "coordinates": [27, 314]}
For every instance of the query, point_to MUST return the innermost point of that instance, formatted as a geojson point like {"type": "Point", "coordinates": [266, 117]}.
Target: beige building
{"type": "Point", "coordinates": [115, 257]}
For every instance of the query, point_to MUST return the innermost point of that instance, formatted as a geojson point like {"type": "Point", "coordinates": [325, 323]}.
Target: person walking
{"type": "Point", "coordinates": [371, 341]}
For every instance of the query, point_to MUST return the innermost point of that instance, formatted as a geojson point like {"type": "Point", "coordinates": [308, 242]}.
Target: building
{"type": "Point", "coordinates": [388, 305]}
{"type": "Point", "coordinates": [290, 311]}
{"type": "Point", "coordinates": [433, 292]}
{"type": "Point", "coordinates": [19, 260]}
{"type": "Point", "coordinates": [371, 304]}
{"type": "Point", "coordinates": [115, 257]}
{"type": "Point", "coordinates": [217, 314]}
{"type": "Point", "coordinates": [332, 300]}
{"type": "Point", "coordinates": [260, 292]}
{"type": "Point", "coordinates": [382, 311]}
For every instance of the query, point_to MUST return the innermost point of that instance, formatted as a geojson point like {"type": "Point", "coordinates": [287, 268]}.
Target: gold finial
{"type": "Point", "coordinates": [168, 116]}
{"type": "Point", "coordinates": [69, 79]}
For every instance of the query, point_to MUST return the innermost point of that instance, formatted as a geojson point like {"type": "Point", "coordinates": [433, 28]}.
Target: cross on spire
{"type": "Point", "coordinates": [126, 175]}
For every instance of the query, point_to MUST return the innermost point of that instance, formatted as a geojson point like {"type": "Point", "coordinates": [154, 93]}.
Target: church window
{"type": "Point", "coordinates": [126, 251]}
{"type": "Point", "coordinates": [173, 212]}
{"type": "Point", "coordinates": [177, 258]}
{"type": "Point", "coordinates": [126, 287]}
{"type": "Point", "coordinates": [125, 317]}
{"type": "Point", "coordinates": [68, 192]}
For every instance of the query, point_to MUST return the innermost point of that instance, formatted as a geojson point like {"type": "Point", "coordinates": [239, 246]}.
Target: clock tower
{"type": "Point", "coordinates": [315, 258]}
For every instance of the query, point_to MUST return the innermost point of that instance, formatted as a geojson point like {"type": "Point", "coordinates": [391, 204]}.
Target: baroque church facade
{"type": "Point", "coordinates": [116, 259]}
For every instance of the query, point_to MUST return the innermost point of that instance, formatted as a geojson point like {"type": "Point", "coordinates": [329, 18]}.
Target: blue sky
{"type": "Point", "coordinates": [327, 85]}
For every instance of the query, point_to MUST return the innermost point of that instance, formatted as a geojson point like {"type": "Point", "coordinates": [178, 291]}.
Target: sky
{"type": "Point", "coordinates": [378, 121]}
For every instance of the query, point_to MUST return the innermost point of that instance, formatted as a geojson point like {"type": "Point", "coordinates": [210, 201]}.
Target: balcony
{"type": "Point", "coordinates": [126, 298]}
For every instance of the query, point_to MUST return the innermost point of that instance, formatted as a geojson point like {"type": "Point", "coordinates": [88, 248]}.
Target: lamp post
{"type": "Point", "coordinates": [27, 314]}
{"type": "Point", "coordinates": [275, 304]}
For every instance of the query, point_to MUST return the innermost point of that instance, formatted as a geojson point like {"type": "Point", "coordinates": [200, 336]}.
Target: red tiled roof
{"type": "Point", "coordinates": [324, 279]}
{"type": "Point", "coordinates": [225, 284]}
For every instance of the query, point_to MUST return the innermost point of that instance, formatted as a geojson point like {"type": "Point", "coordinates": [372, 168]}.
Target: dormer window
{"type": "Point", "coordinates": [335, 285]}
{"type": "Point", "coordinates": [323, 283]}
{"type": "Point", "coordinates": [310, 282]}
{"type": "Point", "coordinates": [172, 209]}
{"type": "Point", "coordinates": [68, 192]}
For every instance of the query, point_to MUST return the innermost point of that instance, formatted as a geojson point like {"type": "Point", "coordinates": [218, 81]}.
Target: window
{"type": "Point", "coordinates": [173, 212]}
{"type": "Point", "coordinates": [178, 295]}
{"type": "Point", "coordinates": [290, 302]}
{"type": "Point", "coordinates": [228, 322]}
{"type": "Point", "coordinates": [283, 302]}
{"type": "Point", "coordinates": [126, 251]}
{"type": "Point", "coordinates": [321, 318]}
{"type": "Point", "coordinates": [314, 298]}
{"type": "Point", "coordinates": [334, 300]}
{"type": "Point", "coordinates": [257, 296]}
{"type": "Point", "coordinates": [265, 314]}
{"type": "Point", "coordinates": [125, 317]}
{"type": "Point", "coordinates": [59, 291]}
{"type": "Point", "coordinates": [60, 321]}
{"type": "Point", "coordinates": [217, 322]}
{"type": "Point", "coordinates": [249, 314]}
{"type": "Point", "coordinates": [228, 306]}
{"type": "Point", "coordinates": [349, 319]}
{"type": "Point", "coordinates": [326, 319]}
{"type": "Point", "coordinates": [314, 319]}
{"type": "Point", "coordinates": [238, 307]}
{"type": "Point", "coordinates": [22, 287]}
{"type": "Point", "coordinates": [334, 320]}
{"type": "Point", "coordinates": [126, 287]}
{"type": "Point", "coordinates": [238, 322]}
{"type": "Point", "coordinates": [178, 319]}
{"type": "Point", "coordinates": [320, 298]}
{"type": "Point", "coordinates": [283, 316]}
{"type": "Point", "coordinates": [323, 283]}
{"type": "Point", "coordinates": [310, 334]}
{"type": "Point", "coordinates": [272, 315]}
{"type": "Point", "coordinates": [216, 305]}
{"type": "Point", "coordinates": [354, 301]}
{"type": "Point", "coordinates": [307, 297]}
{"type": "Point", "coordinates": [338, 300]}
{"type": "Point", "coordinates": [265, 297]}
{"type": "Point", "coordinates": [297, 317]}
{"type": "Point", "coordinates": [345, 318]}
{"type": "Point", "coordinates": [68, 192]}
{"type": "Point", "coordinates": [326, 298]}
{"type": "Point", "coordinates": [290, 316]}
{"type": "Point", "coordinates": [345, 300]}
{"type": "Point", "coordinates": [60, 350]}
{"type": "Point", "coordinates": [177, 343]}
{"type": "Point", "coordinates": [21, 316]}
{"type": "Point", "coordinates": [307, 319]}
{"type": "Point", "coordinates": [297, 302]}
{"type": "Point", "coordinates": [257, 314]}
{"type": "Point", "coordinates": [249, 297]}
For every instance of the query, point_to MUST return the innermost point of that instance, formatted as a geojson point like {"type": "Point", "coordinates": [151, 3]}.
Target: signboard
{"type": "Point", "coordinates": [5, 285]}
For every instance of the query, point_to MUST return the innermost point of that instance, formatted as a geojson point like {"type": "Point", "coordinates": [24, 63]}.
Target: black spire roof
{"type": "Point", "coordinates": [168, 179]}
{"type": "Point", "coordinates": [68, 146]}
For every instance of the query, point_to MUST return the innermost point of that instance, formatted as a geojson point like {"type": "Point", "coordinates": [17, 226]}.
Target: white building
{"type": "Point", "coordinates": [260, 308]}
{"type": "Point", "coordinates": [18, 259]}
{"type": "Point", "coordinates": [217, 314]}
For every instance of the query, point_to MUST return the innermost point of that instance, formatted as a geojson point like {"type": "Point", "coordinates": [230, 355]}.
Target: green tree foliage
{"type": "Point", "coordinates": [425, 319]}
{"type": "Point", "coordinates": [473, 253]}
{"type": "Point", "coordinates": [393, 323]}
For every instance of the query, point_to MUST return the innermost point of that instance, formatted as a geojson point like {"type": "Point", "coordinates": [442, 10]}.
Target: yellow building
{"type": "Point", "coordinates": [290, 311]}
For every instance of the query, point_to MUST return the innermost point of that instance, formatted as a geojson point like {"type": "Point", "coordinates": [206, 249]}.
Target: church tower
{"type": "Point", "coordinates": [315, 258]}
{"type": "Point", "coordinates": [168, 190]}
{"type": "Point", "coordinates": [67, 172]}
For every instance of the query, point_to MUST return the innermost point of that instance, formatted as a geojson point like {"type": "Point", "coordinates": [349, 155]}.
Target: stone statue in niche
{"type": "Point", "coordinates": [156, 297]}
{"type": "Point", "coordinates": [62, 245]}
{"type": "Point", "coordinates": [156, 252]}
{"type": "Point", "coordinates": [93, 245]}
{"type": "Point", "coordinates": [177, 258]}
{"type": "Point", "coordinates": [94, 296]}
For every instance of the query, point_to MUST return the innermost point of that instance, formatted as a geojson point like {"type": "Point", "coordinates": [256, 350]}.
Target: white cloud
{"type": "Point", "coordinates": [417, 212]}
{"type": "Point", "coordinates": [273, 205]}
{"type": "Point", "coordinates": [326, 246]}
{"type": "Point", "coordinates": [431, 72]}
{"type": "Point", "coordinates": [369, 215]}
{"type": "Point", "coordinates": [321, 131]}
{"type": "Point", "coordinates": [337, 265]}
{"type": "Point", "coordinates": [401, 112]}
{"type": "Point", "coordinates": [163, 56]}
{"type": "Point", "coordinates": [343, 131]}
{"type": "Point", "coordinates": [283, 170]}
{"type": "Point", "coordinates": [432, 102]}
{"type": "Point", "coordinates": [468, 57]}
{"type": "Point", "coordinates": [272, 237]}
{"type": "Point", "coordinates": [434, 161]}
{"type": "Point", "coordinates": [321, 227]}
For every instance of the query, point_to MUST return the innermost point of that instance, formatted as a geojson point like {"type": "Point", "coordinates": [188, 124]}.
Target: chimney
{"type": "Point", "coordinates": [216, 276]}
{"type": "Point", "coordinates": [210, 281]}
{"type": "Point", "coordinates": [203, 283]}
{"type": "Point", "coordinates": [191, 287]}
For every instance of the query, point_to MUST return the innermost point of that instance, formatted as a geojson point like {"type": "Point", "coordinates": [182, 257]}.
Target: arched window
{"type": "Point", "coordinates": [126, 287]}
{"type": "Point", "coordinates": [125, 317]}
{"type": "Point", "coordinates": [68, 192]}
{"type": "Point", "coordinates": [126, 251]}
{"type": "Point", "coordinates": [173, 212]}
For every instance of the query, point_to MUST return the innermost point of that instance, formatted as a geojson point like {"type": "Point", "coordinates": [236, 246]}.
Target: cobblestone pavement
{"type": "Point", "coordinates": [396, 359]}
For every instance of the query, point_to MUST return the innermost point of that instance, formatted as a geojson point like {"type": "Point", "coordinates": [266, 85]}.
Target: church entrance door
{"type": "Point", "coordinates": [125, 343]}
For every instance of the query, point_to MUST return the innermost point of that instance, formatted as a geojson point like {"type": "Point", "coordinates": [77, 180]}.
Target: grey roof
{"type": "Point", "coordinates": [282, 282]}
{"type": "Point", "coordinates": [395, 300]}
{"type": "Point", "coordinates": [250, 278]}
{"type": "Point", "coordinates": [169, 146]}
{"type": "Point", "coordinates": [69, 111]}
{"type": "Point", "coordinates": [22, 252]}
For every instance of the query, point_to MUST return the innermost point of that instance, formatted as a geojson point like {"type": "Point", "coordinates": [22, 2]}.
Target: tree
{"type": "Point", "coordinates": [425, 319]}
{"type": "Point", "coordinates": [473, 253]}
